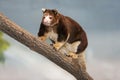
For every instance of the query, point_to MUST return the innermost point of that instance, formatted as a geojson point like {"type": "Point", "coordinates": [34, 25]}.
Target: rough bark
{"type": "Point", "coordinates": [24, 37]}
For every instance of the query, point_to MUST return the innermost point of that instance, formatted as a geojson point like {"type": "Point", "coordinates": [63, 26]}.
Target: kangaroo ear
{"type": "Point", "coordinates": [55, 11]}
{"type": "Point", "coordinates": [43, 10]}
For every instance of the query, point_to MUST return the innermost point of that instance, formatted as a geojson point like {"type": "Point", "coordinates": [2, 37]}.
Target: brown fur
{"type": "Point", "coordinates": [66, 35]}
{"type": "Point", "coordinates": [63, 26]}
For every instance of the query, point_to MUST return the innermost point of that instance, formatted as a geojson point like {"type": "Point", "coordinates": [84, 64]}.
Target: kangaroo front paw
{"type": "Point", "coordinates": [72, 55]}
{"type": "Point", "coordinates": [42, 38]}
{"type": "Point", "coordinates": [58, 45]}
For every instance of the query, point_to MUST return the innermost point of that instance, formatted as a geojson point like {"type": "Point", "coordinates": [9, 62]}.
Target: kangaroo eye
{"type": "Point", "coordinates": [43, 17]}
{"type": "Point", "coordinates": [50, 17]}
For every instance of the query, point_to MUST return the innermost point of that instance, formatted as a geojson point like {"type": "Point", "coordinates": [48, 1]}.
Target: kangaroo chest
{"type": "Point", "coordinates": [52, 35]}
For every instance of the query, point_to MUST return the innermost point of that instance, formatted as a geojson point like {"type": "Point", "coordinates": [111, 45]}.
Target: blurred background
{"type": "Point", "coordinates": [99, 18]}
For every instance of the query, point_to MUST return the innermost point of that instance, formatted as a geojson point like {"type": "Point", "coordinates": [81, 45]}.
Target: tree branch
{"type": "Point", "coordinates": [16, 32]}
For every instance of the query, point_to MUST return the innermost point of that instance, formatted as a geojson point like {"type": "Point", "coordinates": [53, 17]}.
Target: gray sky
{"type": "Point", "coordinates": [91, 14]}
{"type": "Point", "coordinates": [99, 18]}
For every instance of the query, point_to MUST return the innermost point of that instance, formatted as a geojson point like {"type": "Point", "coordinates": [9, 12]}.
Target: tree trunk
{"type": "Point", "coordinates": [24, 37]}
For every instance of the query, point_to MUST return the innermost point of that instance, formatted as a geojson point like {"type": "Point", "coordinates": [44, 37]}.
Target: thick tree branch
{"type": "Point", "coordinates": [42, 48]}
